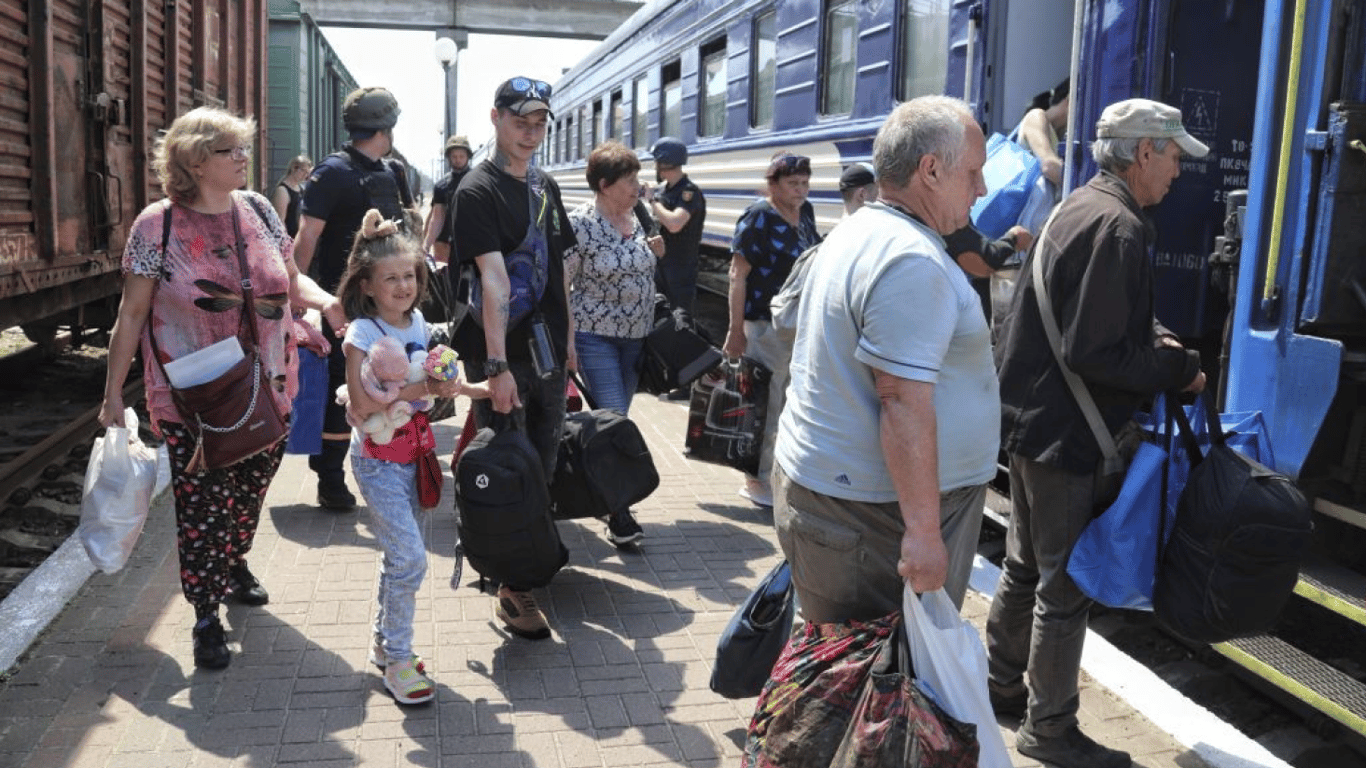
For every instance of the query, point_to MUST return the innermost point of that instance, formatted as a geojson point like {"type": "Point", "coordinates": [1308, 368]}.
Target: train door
{"type": "Point", "coordinates": [1195, 55]}
{"type": "Point", "coordinates": [65, 115]}
{"type": "Point", "coordinates": [109, 152]}
{"type": "Point", "coordinates": [1027, 50]}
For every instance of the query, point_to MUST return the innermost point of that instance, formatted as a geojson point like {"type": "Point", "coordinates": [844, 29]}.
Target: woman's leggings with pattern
{"type": "Point", "coordinates": [216, 515]}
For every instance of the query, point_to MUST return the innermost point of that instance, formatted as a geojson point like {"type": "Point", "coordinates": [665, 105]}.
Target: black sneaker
{"type": "Point", "coordinates": [245, 588]}
{"type": "Point", "coordinates": [623, 529]}
{"type": "Point", "coordinates": [1071, 749]}
{"type": "Point", "coordinates": [210, 645]}
{"type": "Point", "coordinates": [335, 496]}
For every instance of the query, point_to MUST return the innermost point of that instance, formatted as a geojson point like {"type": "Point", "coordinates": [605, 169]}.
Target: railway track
{"type": "Point", "coordinates": [47, 424]}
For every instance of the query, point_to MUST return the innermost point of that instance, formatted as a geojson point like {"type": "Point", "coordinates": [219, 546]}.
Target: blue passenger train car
{"type": "Point", "coordinates": [1261, 251]}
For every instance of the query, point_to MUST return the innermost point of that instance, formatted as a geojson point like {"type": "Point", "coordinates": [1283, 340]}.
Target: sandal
{"type": "Point", "coordinates": [407, 685]}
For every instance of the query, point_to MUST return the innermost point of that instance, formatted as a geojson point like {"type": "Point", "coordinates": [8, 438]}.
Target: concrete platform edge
{"type": "Point", "coordinates": [1218, 743]}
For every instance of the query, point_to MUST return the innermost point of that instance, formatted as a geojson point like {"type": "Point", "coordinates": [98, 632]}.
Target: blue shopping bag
{"type": "Point", "coordinates": [306, 421]}
{"type": "Point", "coordinates": [1010, 173]}
{"type": "Point", "coordinates": [1114, 562]}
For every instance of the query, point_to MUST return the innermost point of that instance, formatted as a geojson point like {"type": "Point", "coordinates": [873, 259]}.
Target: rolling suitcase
{"type": "Point", "coordinates": [604, 465]}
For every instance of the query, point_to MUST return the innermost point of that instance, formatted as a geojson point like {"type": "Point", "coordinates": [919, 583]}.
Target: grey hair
{"type": "Point", "coordinates": [1116, 155]}
{"type": "Point", "coordinates": [925, 125]}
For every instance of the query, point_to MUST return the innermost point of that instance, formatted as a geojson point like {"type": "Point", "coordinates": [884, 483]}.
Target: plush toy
{"type": "Point", "coordinates": [385, 371]}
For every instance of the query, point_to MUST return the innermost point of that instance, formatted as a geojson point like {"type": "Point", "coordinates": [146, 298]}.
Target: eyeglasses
{"type": "Point", "coordinates": [238, 153]}
{"type": "Point", "coordinates": [531, 89]}
{"type": "Point", "coordinates": [789, 165]}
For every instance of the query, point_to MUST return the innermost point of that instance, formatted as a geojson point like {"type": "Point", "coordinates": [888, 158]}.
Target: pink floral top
{"type": "Point", "coordinates": [198, 300]}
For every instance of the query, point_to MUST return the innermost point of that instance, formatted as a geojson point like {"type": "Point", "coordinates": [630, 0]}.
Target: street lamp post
{"type": "Point", "coordinates": [447, 50]}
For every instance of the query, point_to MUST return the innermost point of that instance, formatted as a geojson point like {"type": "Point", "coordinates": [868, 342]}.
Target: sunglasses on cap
{"type": "Point", "coordinates": [789, 165]}
{"type": "Point", "coordinates": [519, 88]}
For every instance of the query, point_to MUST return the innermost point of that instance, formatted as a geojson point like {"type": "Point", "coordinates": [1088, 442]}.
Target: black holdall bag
{"type": "Point", "coordinates": [506, 531]}
{"type": "Point", "coordinates": [752, 641]}
{"type": "Point", "coordinates": [604, 465]}
{"type": "Point", "coordinates": [675, 353]}
{"type": "Point", "coordinates": [1234, 553]}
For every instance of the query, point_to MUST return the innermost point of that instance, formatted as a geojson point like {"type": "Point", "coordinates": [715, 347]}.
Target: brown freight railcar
{"type": "Point", "coordinates": [85, 86]}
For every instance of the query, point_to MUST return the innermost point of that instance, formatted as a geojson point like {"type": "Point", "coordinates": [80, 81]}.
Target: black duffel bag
{"type": "Point", "coordinates": [676, 352]}
{"type": "Point", "coordinates": [1234, 554]}
{"type": "Point", "coordinates": [604, 465]}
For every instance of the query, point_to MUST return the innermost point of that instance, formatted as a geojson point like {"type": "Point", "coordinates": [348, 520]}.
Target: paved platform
{"type": "Point", "coordinates": [623, 681]}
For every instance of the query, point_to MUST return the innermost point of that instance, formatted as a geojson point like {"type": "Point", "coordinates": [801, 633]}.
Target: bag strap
{"type": "Point", "coordinates": [1113, 461]}
{"type": "Point", "coordinates": [248, 318]}
{"type": "Point", "coordinates": [1192, 444]}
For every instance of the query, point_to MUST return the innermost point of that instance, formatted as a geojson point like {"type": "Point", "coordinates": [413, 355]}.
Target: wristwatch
{"type": "Point", "coordinates": [494, 367]}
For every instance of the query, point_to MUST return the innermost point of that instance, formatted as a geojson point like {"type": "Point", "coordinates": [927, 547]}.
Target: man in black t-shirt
{"type": "Point", "coordinates": [437, 240]}
{"type": "Point", "coordinates": [493, 220]}
{"type": "Point", "coordinates": [681, 210]}
{"type": "Point", "coordinates": [340, 190]}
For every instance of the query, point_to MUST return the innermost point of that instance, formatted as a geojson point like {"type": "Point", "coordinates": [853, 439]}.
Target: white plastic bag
{"type": "Point", "coordinates": [951, 668]}
{"type": "Point", "coordinates": [119, 484]}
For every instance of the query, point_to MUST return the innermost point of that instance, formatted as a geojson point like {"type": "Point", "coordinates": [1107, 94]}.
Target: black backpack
{"type": "Point", "coordinates": [506, 531]}
{"type": "Point", "coordinates": [1234, 553]}
{"type": "Point", "coordinates": [604, 466]}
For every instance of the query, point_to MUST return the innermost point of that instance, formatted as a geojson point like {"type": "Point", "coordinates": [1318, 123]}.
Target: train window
{"type": "Point", "coordinates": [840, 60]}
{"type": "Point", "coordinates": [671, 99]}
{"type": "Point", "coordinates": [711, 96]}
{"type": "Point", "coordinates": [587, 131]}
{"type": "Point", "coordinates": [571, 139]}
{"type": "Point", "coordinates": [764, 65]}
{"type": "Point", "coordinates": [597, 122]}
{"type": "Point", "coordinates": [616, 116]}
{"type": "Point", "coordinates": [640, 131]}
{"type": "Point", "coordinates": [923, 47]}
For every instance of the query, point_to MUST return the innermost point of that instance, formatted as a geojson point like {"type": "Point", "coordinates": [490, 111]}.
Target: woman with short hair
{"type": "Point", "coordinates": [772, 232]}
{"type": "Point", "coordinates": [609, 278]}
{"type": "Point", "coordinates": [182, 291]}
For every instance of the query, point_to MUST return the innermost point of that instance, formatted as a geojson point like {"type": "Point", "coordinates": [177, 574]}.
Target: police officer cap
{"type": "Point", "coordinates": [670, 151]}
{"type": "Point", "coordinates": [458, 142]}
{"type": "Point", "coordinates": [370, 109]}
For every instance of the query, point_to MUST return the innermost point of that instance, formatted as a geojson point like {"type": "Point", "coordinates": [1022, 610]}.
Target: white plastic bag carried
{"type": "Point", "coordinates": [951, 668]}
{"type": "Point", "coordinates": [120, 481]}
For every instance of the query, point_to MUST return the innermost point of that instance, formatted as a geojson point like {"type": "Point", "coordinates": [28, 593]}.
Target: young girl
{"type": "Point", "coordinates": [386, 278]}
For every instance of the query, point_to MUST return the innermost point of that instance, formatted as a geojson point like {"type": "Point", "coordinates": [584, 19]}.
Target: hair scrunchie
{"type": "Point", "coordinates": [374, 225]}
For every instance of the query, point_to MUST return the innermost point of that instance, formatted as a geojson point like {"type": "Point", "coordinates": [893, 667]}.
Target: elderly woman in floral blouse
{"type": "Point", "coordinates": [609, 277]}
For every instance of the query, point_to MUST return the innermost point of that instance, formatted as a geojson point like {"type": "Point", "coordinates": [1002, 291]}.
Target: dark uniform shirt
{"type": "Point", "coordinates": [771, 246]}
{"type": "Point", "coordinates": [444, 194]}
{"type": "Point", "coordinates": [682, 245]}
{"type": "Point", "coordinates": [337, 193]}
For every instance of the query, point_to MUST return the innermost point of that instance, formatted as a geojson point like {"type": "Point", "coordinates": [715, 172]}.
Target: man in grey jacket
{"type": "Point", "coordinates": [1097, 269]}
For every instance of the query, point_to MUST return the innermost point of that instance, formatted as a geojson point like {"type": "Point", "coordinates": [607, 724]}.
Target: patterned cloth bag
{"type": "Point", "coordinates": [843, 695]}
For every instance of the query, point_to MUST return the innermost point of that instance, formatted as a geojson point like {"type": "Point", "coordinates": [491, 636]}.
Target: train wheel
{"type": "Point", "coordinates": [43, 333]}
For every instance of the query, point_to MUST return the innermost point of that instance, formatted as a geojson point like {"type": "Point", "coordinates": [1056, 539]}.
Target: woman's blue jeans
{"type": "Point", "coordinates": [608, 367]}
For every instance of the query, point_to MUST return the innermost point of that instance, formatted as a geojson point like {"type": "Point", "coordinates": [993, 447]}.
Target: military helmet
{"type": "Point", "coordinates": [369, 109]}
{"type": "Point", "coordinates": [458, 142]}
{"type": "Point", "coordinates": [670, 151]}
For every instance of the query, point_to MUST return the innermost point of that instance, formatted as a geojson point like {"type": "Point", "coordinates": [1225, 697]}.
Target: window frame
{"type": "Point", "coordinates": [671, 73]}
{"type": "Point", "coordinates": [756, 100]}
{"type": "Point", "coordinates": [827, 42]}
{"type": "Point", "coordinates": [708, 53]}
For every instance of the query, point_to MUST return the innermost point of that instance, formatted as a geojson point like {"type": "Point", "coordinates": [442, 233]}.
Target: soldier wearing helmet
{"type": "Point", "coordinates": [681, 210]}
{"type": "Point", "coordinates": [437, 240]}
{"type": "Point", "coordinates": [340, 190]}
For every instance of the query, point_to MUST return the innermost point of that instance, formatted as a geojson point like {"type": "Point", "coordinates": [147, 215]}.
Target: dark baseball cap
{"type": "Point", "coordinates": [857, 175]}
{"type": "Point", "coordinates": [522, 96]}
